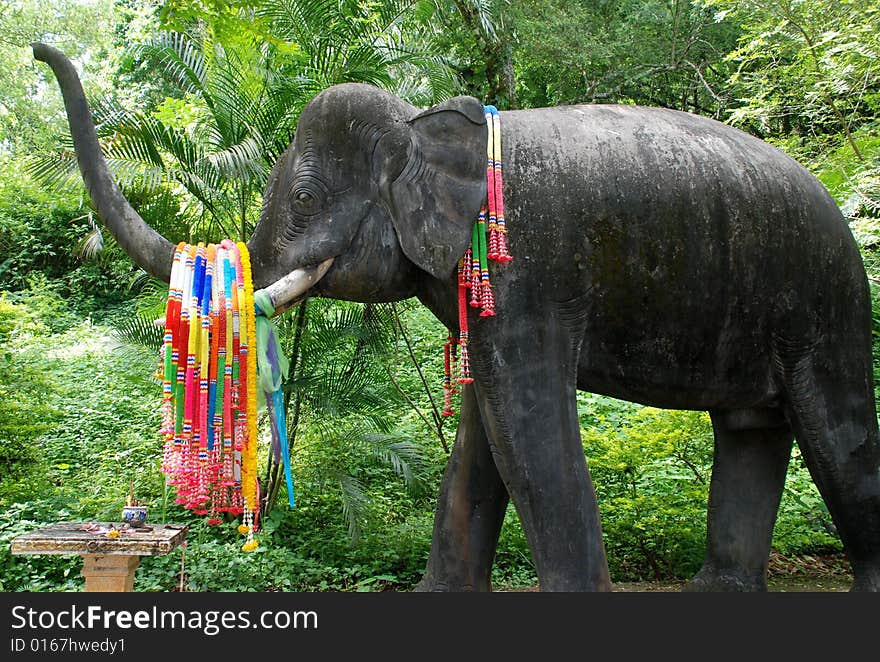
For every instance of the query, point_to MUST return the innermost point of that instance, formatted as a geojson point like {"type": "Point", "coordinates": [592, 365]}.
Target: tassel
{"type": "Point", "coordinates": [488, 299]}
{"type": "Point", "coordinates": [491, 186]}
{"type": "Point", "coordinates": [476, 270]}
{"type": "Point", "coordinates": [448, 390]}
{"type": "Point", "coordinates": [488, 242]}
{"type": "Point", "coordinates": [465, 265]}
{"type": "Point", "coordinates": [502, 254]}
{"type": "Point", "coordinates": [463, 360]}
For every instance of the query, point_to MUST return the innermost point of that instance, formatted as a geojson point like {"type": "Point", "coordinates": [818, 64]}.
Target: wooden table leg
{"type": "Point", "coordinates": [112, 573]}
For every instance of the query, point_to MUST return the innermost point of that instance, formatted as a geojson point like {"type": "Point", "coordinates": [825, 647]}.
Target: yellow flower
{"type": "Point", "coordinates": [249, 546]}
{"type": "Point", "coordinates": [242, 529]}
{"type": "Point", "coordinates": [113, 533]}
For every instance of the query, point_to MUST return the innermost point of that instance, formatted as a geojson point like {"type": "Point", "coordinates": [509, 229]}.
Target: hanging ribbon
{"type": "Point", "coordinates": [272, 367]}
{"type": "Point", "coordinates": [488, 243]}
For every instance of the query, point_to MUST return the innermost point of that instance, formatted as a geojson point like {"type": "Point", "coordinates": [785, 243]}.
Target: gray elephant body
{"type": "Point", "coordinates": [681, 245]}
{"type": "Point", "coordinates": [659, 257]}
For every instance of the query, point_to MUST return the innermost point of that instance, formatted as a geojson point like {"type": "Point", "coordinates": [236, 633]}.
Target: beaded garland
{"type": "Point", "coordinates": [488, 242]}
{"type": "Point", "coordinates": [210, 384]}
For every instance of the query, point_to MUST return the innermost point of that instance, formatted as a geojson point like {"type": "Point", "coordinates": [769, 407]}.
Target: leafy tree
{"type": "Point", "coordinates": [657, 52]}
{"type": "Point", "coordinates": [479, 35]}
{"type": "Point", "coordinates": [93, 33]}
{"type": "Point", "coordinates": [521, 53]}
{"type": "Point", "coordinates": [30, 117]}
{"type": "Point", "coordinates": [807, 67]}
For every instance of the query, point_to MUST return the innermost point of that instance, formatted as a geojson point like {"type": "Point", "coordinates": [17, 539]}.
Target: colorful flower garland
{"type": "Point", "coordinates": [473, 267]}
{"type": "Point", "coordinates": [210, 384]}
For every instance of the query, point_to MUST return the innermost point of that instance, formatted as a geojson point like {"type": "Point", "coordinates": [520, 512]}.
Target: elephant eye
{"type": "Point", "coordinates": [305, 201]}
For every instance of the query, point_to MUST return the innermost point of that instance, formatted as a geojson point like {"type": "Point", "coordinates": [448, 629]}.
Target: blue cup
{"type": "Point", "coordinates": [134, 516]}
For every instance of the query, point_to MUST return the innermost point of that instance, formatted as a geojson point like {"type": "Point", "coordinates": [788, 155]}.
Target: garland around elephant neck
{"type": "Point", "coordinates": [213, 369]}
{"type": "Point", "coordinates": [488, 243]}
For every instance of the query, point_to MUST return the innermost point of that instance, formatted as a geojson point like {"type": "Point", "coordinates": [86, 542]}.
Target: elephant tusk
{"type": "Point", "coordinates": [288, 291]}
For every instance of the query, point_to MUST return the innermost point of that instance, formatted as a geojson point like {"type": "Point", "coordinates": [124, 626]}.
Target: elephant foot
{"type": "Point", "coordinates": [866, 579]}
{"type": "Point", "coordinates": [865, 587]}
{"type": "Point", "coordinates": [709, 580]}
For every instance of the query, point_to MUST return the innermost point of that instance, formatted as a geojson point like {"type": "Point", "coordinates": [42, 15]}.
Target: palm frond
{"type": "Point", "coordinates": [401, 455]}
{"type": "Point", "coordinates": [299, 20]}
{"type": "Point", "coordinates": [338, 392]}
{"type": "Point", "coordinates": [345, 325]}
{"type": "Point", "coordinates": [182, 60]}
{"type": "Point", "coordinates": [139, 282]}
{"type": "Point", "coordinates": [140, 331]}
{"type": "Point", "coordinates": [56, 171]}
{"type": "Point", "coordinates": [92, 243]}
{"type": "Point", "coordinates": [354, 503]}
{"type": "Point", "coordinates": [243, 161]}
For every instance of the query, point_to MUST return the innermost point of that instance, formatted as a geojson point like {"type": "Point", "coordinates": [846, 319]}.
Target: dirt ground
{"type": "Point", "coordinates": [787, 584]}
{"type": "Point", "coordinates": [801, 574]}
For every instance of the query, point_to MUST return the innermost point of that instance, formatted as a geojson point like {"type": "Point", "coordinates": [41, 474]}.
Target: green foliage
{"type": "Point", "coordinates": [341, 427]}
{"type": "Point", "coordinates": [513, 565]}
{"type": "Point", "coordinates": [651, 469]}
{"type": "Point", "coordinates": [384, 43]}
{"type": "Point", "coordinates": [581, 52]}
{"type": "Point", "coordinates": [651, 476]}
{"type": "Point", "coordinates": [806, 67]}
{"type": "Point", "coordinates": [39, 231]}
{"type": "Point", "coordinates": [23, 389]}
{"type": "Point", "coordinates": [35, 573]}
{"type": "Point", "coordinates": [803, 525]}
{"type": "Point", "coordinates": [517, 53]}
{"type": "Point", "coordinates": [82, 29]}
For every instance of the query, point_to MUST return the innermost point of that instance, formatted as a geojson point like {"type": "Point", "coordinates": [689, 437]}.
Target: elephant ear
{"type": "Point", "coordinates": [437, 195]}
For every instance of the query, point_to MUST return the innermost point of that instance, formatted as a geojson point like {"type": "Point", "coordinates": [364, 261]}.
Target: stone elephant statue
{"type": "Point", "coordinates": [659, 257]}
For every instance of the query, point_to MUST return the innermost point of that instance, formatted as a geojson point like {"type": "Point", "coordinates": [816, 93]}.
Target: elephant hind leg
{"type": "Point", "coordinates": [830, 395]}
{"type": "Point", "coordinates": [748, 477]}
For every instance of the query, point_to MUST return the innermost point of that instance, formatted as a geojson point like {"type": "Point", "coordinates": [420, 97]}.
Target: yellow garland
{"type": "Point", "coordinates": [249, 326]}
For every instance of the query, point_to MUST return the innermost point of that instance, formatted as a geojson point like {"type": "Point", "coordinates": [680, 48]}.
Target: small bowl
{"type": "Point", "coordinates": [134, 516]}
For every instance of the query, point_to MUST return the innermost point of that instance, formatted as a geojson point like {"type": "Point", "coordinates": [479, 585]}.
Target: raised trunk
{"type": "Point", "coordinates": [149, 249]}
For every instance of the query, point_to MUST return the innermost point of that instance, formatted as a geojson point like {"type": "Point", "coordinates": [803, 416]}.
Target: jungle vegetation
{"type": "Point", "coordinates": [194, 101]}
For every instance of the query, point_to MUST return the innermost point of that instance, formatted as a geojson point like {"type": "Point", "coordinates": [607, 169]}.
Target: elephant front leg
{"type": "Point", "coordinates": [470, 511]}
{"type": "Point", "coordinates": [525, 387]}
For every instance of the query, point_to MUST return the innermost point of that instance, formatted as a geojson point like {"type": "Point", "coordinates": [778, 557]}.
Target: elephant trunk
{"type": "Point", "coordinates": [149, 249]}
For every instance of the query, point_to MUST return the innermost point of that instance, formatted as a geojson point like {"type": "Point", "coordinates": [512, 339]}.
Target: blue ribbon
{"type": "Point", "coordinates": [272, 369]}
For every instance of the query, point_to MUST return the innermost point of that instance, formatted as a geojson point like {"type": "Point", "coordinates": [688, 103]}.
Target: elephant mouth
{"type": "Point", "coordinates": [290, 290]}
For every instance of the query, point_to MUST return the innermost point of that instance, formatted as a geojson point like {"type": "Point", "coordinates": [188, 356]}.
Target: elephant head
{"type": "Point", "coordinates": [388, 192]}
{"type": "Point", "coordinates": [352, 203]}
